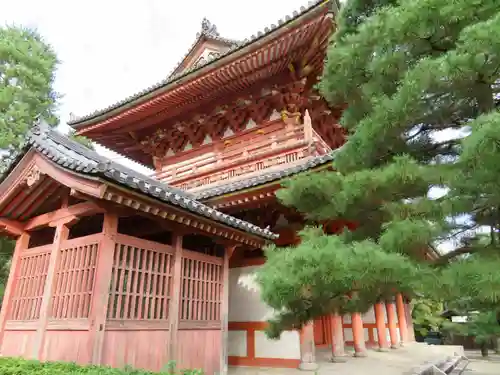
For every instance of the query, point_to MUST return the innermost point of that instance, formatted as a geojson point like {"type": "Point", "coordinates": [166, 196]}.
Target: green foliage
{"type": "Point", "coordinates": [27, 69]}
{"type": "Point", "coordinates": [323, 270]}
{"type": "Point", "coordinates": [426, 315]}
{"type": "Point", "coordinates": [418, 78]}
{"type": "Point", "coordinates": [6, 250]}
{"type": "Point", "coordinates": [16, 366]}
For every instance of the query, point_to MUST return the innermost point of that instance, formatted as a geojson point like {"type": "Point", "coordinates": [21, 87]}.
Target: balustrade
{"type": "Point", "coordinates": [271, 146]}
{"type": "Point", "coordinates": [141, 280]}
{"type": "Point", "coordinates": [30, 283]}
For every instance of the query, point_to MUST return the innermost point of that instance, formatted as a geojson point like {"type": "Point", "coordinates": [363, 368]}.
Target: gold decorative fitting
{"type": "Point", "coordinates": [260, 131]}
{"type": "Point", "coordinates": [227, 143]}
{"type": "Point", "coordinates": [285, 115]}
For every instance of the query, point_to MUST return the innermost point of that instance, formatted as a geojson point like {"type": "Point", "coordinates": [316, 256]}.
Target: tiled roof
{"type": "Point", "coordinates": [77, 158]}
{"type": "Point", "coordinates": [237, 46]}
{"type": "Point", "coordinates": [265, 177]}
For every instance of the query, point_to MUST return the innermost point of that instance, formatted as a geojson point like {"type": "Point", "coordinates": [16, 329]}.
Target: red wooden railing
{"type": "Point", "coordinates": [201, 288]}
{"type": "Point", "coordinates": [140, 287]}
{"type": "Point", "coordinates": [141, 280]}
{"type": "Point", "coordinates": [29, 284]}
{"type": "Point", "coordinates": [74, 278]}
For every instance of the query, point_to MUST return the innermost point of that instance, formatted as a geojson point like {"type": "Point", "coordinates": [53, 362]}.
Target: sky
{"type": "Point", "coordinates": [110, 49]}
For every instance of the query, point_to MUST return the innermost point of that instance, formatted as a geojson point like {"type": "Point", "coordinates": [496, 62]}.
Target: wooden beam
{"type": "Point", "coordinates": [173, 313]}
{"type": "Point", "coordinates": [12, 227]}
{"type": "Point", "coordinates": [62, 232]}
{"type": "Point", "coordinates": [100, 296]}
{"type": "Point", "coordinates": [77, 210]}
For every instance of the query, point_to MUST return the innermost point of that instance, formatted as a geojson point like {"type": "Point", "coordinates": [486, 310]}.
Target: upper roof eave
{"type": "Point", "coordinates": [174, 80]}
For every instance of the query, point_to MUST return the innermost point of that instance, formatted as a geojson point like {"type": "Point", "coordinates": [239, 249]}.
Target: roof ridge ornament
{"type": "Point", "coordinates": [208, 28]}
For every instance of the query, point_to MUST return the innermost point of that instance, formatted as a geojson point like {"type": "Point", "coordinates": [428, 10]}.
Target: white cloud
{"type": "Point", "coordinates": [110, 49]}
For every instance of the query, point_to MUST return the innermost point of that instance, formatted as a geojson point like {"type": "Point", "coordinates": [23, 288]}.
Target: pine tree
{"type": "Point", "coordinates": [411, 73]}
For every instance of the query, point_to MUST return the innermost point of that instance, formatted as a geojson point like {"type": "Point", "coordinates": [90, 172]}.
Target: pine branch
{"type": "Point", "coordinates": [446, 258]}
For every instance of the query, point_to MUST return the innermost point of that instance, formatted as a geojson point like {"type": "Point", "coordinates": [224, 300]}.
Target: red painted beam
{"type": "Point", "coordinates": [80, 209]}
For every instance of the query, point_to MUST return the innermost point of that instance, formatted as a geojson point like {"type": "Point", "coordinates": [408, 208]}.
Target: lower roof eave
{"type": "Point", "coordinates": [152, 207]}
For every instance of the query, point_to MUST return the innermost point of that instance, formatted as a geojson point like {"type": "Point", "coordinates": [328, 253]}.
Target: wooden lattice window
{"type": "Point", "coordinates": [141, 280]}
{"type": "Point", "coordinates": [29, 284]}
{"type": "Point", "coordinates": [201, 290]}
{"type": "Point", "coordinates": [74, 278]}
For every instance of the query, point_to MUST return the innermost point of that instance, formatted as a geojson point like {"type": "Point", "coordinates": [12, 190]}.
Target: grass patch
{"type": "Point", "coordinates": [19, 366]}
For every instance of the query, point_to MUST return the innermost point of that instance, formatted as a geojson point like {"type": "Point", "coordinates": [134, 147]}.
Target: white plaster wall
{"type": "Point", "coordinates": [288, 347]}
{"type": "Point", "coordinates": [348, 334]}
{"type": "Point", "coordinates": [245, 305]}
{"type": "Point", "coordinates": [369, 316]}
{"type": "Point", "coordinates": [237, 343]}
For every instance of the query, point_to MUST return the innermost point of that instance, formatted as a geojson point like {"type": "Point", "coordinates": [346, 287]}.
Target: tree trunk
{"type": "Point", "coordinates": [484, 349]}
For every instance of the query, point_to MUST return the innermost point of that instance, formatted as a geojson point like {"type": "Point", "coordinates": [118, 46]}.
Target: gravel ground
{"type": "Point", "coordinates": [481, 366]}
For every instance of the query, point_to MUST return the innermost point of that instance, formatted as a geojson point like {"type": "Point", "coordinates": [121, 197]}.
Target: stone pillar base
{"type": "Point", "coordinates": [394, 347]}
{"type": "Point", "coordinates": [339, 358]}
{"type": "Point", "coordinates": [382, 349]}
{"type": "Point", "coordinates": [361, 354]}
{"type": "Point", "coordinates": [308, 366]}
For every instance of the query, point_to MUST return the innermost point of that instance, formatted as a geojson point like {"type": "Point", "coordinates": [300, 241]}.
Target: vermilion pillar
{"type": "Point", "coordinates": [307, 349]}
{"type": "Point", "coordinates": [391, 322]}
{"type": "Point", "coordinates": [358, 335]}
{"type": "Point", "coordinates": [338, 342]}
{"type": "Point", "coordinates": [403, 328]}
{"type": "Point", "coordinates": [381, 330]}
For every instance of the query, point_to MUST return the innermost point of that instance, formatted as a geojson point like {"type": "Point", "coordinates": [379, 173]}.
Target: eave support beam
{"type": "Point", "coordinates": [13, 227]}
{"type": "Point", "coordinates": [77, 210]}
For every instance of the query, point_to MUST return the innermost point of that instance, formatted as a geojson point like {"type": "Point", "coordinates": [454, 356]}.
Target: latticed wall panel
{"type": "Point", "coordinates": [74, 278]}
{"type": "Point", "coordinates": [141, 280]}
{"type": "Point", "coordinates": [30, 282]}
{"type": "Point", "coordinates": [201, 288]}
